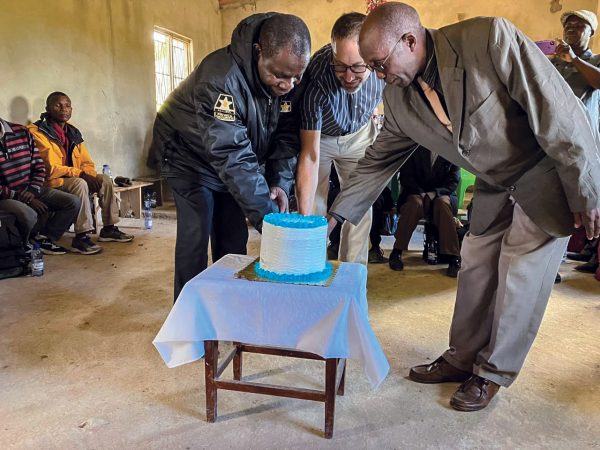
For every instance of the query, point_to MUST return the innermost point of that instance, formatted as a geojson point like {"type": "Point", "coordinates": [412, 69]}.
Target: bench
{"type": "Point", "coordinates": [131, 199]}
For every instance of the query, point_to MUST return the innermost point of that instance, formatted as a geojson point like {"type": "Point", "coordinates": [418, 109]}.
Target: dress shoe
{"type": "Point", "coordinates": [453, 267]}
{"type": "Point", "coordinates": [474, 394]}
{"type": "Point", "coordinates": [589, 267]}
{"type": "Point", "coordinates": [332, 252]}
{"type": "Point", "coordinates": [557, 278]}
{"type": "Point", "coordinates": [376, 256]}
{"type": "Point", "coordinates": [395, 260]}
{"type": "Point", "coordinates": [439, 371]}
{"type": "Point", "coordinates": [581, 256]}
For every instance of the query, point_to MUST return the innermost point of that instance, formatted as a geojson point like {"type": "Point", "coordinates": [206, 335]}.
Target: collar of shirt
{"type": "Point", "coordinates": [431, 75]}
{"type": "Point", "coordinates": [4, 128]}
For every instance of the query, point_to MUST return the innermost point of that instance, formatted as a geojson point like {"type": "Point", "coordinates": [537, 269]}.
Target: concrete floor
{"type": "Point", "coordinates": [78, 370]}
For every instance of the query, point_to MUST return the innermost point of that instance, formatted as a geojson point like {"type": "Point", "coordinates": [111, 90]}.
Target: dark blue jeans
{"type": "Point", "coordinates": [62, 210]}
{"type": "Point", "coordinates": [203, 215]}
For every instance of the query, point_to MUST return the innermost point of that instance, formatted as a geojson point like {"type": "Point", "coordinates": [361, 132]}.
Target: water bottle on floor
{"type": "Point", "coordinates": [36, 265]}
{"type": "Point", "coordinates": [147, 213]}
{"type": "Point", "coordinates": [431, 252]}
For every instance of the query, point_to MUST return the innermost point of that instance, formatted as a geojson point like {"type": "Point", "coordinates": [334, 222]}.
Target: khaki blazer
{"type": "Point", "coordinates": [517, 127]}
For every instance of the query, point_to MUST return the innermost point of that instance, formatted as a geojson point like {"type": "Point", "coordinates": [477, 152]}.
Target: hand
{"type": "Point", "coordinates": [38, 206]}
{"type": "Point", "coordinates": [564, 51]}
{"type": "Point", "coordinates": [26, 197]}
{"type": "Point", "coordinates": [280, 198]}
{"type": "Point", "coordinates": [94, 185]}
{"type": "Point", "coordinates": [331, 223]}
{"type": "Point", "coordinates": [590, 221]}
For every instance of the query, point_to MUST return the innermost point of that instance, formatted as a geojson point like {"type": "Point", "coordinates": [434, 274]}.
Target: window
{"type": "Point", "coordinates": [172, 62]}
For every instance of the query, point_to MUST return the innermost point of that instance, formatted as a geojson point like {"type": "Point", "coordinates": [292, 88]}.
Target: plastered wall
{"type": "Point", "coordinates": [100, 52]}
{"type": "Point", "coordinates": [532, 16]}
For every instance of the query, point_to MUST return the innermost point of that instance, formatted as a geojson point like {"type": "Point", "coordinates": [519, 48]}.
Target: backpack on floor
{"type": "Point", "coordinates": [13, 259]}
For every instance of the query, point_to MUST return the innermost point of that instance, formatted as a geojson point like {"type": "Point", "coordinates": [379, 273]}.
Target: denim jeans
{"type": "Point", "coordinates": [62, 210]}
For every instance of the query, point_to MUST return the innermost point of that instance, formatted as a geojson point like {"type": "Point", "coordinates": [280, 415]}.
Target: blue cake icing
{"type": "Point", "coordinates": [295, 220]}
{"type": "Point", "coordinates": [315, 277]}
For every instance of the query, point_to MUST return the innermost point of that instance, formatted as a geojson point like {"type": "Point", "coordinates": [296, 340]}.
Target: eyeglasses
{"type": "Point", "coordinates": [342, 68]}
{"type": "Point", "coordinates": [380, 66]}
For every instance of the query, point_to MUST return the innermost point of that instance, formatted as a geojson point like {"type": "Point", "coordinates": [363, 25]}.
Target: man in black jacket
{"type": "Point", "coordinates": [428, 189]}
{"type": "Point", "coordinates": [227, 141]}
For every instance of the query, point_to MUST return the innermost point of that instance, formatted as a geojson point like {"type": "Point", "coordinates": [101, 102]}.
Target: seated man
{"type": "Point", "coordinates": [22, 175]}
{"type": "Point", "coordinates": [428, 190]}
{"type": "Point", "coordinates": [71, 169]}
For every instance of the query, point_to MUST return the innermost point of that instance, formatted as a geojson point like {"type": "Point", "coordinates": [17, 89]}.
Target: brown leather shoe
{"type": "Point", "coordinates": [439, 371]}
{"type": "Point", "coordinates": [474, 394]}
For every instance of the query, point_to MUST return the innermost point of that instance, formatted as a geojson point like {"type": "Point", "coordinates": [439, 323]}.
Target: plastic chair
{"type": "Point", "coordinates": [467, 179]}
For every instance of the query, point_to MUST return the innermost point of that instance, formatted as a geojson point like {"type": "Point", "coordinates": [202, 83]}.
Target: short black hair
{"type": "Point", "coordinates": [347, 26]}
{"type": "Point", "coordinates": [284, 31]}
{"type": "Point", "coordinates": [53, 95]}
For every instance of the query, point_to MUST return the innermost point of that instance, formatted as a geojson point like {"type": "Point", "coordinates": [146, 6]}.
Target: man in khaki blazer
{"type": "Point", "coordinates": [482, 95]}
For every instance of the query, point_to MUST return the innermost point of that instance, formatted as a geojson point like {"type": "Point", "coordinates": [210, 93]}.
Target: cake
{"type": "Point", "coordinates": [293, 249]}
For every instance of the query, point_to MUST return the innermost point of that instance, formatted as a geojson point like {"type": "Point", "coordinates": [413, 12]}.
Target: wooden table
{"type": "Point", "coordinates": [335, 375]}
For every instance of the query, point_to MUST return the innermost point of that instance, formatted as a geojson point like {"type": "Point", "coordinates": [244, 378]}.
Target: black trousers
{"type": "Point", "coordinates": [377, 222]}
{"type": "Point", "coordinates": [204, 214]}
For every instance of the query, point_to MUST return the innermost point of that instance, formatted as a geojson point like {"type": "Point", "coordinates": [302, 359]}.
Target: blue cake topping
{"type": "Point", "coordinates": [315, 277]}
{"type": "Point", "coordinates": [295, 220]}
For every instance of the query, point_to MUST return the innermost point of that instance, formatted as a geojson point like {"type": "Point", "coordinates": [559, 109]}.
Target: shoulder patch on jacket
{"type": "Point", "coordinates": [286, 106]}
{"type": "Point", "coordinates": [224, 108]}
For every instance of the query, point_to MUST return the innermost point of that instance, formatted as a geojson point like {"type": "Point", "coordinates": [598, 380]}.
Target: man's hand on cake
{"type": "Point", "coordinates": [280, 198]}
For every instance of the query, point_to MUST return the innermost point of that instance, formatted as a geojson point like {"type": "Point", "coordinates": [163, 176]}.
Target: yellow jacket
{"type": "Point", "coordinates": [55, 156]}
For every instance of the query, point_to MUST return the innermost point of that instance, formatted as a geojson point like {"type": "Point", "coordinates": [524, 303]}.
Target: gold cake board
{"type": "Point", "coordinates": [248, 273]}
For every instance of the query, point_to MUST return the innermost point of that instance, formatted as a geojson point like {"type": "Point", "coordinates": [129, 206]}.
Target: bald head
{"type": "Point", "coordinates": [393, 30]}
{"type": "Point", "coordinates": [388, 22]}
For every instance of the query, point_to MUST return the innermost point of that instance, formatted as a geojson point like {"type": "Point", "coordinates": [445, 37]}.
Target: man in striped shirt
{"type": "Point", "coordinates": [336, 127]}
{"type": "Point", "coordinates": [22, 175]}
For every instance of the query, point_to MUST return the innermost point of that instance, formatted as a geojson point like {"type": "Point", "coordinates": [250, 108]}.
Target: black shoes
{"type": "Point", "coordinates": [589, 267]}
{"type": "Point", "coordinates": [332, 251]}
{"type": "Point", "coordinates": [395, 260]}
{"type": "Point", "coordinates": [376, 256]}
{"type": "Point", "coordinates": [453, 267]}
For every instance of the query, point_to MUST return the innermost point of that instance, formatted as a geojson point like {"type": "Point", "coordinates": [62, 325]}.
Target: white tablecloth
{"type": "Point", "coordinates": [331, 322]}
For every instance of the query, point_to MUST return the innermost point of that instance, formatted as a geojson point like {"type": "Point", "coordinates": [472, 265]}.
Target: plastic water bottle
{"type": "Point", "coordinates": [36, 264]}
{"type": "Point", "coordinates": [431, 252]}
{"type": "Point", "coordinates": [147, 213]}
{"type": "Point", "coordinates": [106, 170]}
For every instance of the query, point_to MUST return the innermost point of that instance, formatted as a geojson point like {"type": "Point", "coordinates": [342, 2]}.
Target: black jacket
{"type": "Point", "coordinates": [418, 176]}
{"type": "Point", "coordinates": [223, 129]}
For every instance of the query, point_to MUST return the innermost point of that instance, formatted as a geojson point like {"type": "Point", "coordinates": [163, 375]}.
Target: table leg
{"type": "Point", "coordinates": [330, 379]}
{"type": "Point", "coordinates": [342, 381]}
{"type": "Point", "coordinates": [211, 360]}
{"type": "Point", "coordinates": [237, 363]}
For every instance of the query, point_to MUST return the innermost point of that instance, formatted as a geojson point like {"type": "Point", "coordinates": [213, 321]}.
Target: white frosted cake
{"type": "Point", "coordinates": [293, 249]}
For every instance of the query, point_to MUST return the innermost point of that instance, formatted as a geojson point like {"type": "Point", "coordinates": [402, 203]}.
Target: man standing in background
{"type": "Point", "coordinates": [581, 70]}
{"type": "Point", "coordinates": [338, 103]}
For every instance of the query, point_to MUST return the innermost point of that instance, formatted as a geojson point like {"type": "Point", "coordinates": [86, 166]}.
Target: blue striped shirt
{"type": "Point", "coordinates": [327, 107]}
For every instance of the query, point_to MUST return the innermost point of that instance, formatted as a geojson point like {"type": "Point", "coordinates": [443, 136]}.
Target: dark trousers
{"type": "Point", "coordinates": [377, 222]}
{"type": "Point", "coordinates": [204, 214]}
{"type": "Point", "coordinates": [62, 210]}
{"type": "Point", "coordinates": [416, 208]}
